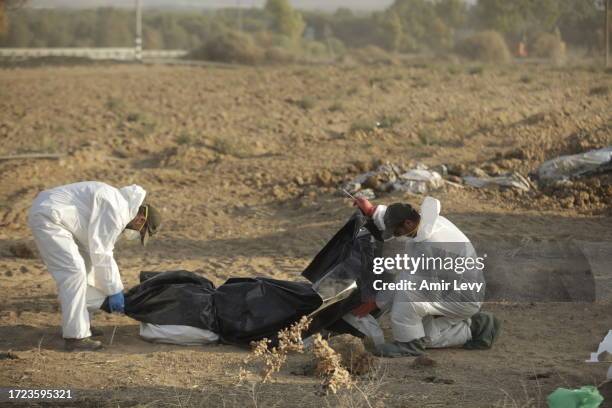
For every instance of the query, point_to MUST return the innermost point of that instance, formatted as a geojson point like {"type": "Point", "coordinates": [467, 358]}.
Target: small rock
{"type": "Point", "coordinates": [491, 169]}
{"type": "Point", "coordinates": [455, 179]}
{"type": "Point", "coordinates": [478, 172]}
{"type": "Point", "coordinates": [456, 170]}
{"type": "Point", "coordinates": [325, 178]}
{"type": "Point", "coordinates": [423, 361]}
{"type": "Point", "coordinates": [278, 192]}
{"type": "Point", "coordinates": [604, 356]}
{"type": "Point", "coordinates": [505, 164]}
{"type": "Point", "coordinates": [362, 166]}
{"type": "Point", "coordinates": [299, 181]}
{"type": "Point", "coordinates": [372, 182]}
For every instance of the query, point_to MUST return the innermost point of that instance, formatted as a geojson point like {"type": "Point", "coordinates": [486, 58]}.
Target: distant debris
{"type": "Point", "coordinates": [576, 165]}
{"type": "Point", "coordinates": [510, 180]}
{"type": "Point", "coordinates": [28, 156]}
{"type": "Point", "coordinates": [390, 177]}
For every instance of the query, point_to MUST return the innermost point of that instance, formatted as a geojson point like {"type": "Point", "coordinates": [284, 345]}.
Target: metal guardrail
{"type": "Point", "coordinates": [122, 54]}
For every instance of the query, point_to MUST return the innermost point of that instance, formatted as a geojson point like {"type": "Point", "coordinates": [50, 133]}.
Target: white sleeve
{"type": "Point", "coordinates": [379, 217]}
{"type": "Point", "coordinates": [105, 226]}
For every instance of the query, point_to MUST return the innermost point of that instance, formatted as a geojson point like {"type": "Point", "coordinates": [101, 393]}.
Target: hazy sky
{"type": "Point", "coordinates": [301, 4]}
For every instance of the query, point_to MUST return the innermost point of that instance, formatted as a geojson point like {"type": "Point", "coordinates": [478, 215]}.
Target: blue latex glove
{"type": "Point", "coordinates": [116, 303]}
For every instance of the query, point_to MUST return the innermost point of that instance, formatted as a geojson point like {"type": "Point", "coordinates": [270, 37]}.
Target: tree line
{"type": "Point", "coordinates": [405, 26]}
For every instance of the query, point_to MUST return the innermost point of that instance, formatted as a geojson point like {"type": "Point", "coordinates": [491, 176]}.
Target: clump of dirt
{"type": "Point", "coordinates": [591, 192]}
{"type": "Point", "coordinates": [187, 157]}
{"type": "Point", "coordinates": [423, 361]}
{"type": "Point", "coordinates": [353, 353]}
{"type": "Point", "coordinates": [22, 250]}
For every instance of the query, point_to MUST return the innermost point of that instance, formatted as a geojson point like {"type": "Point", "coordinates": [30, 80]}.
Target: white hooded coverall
{"type": "Point", "coordinates": [442, 324]}
{"type": "Point", "coordinates": [75, 228]}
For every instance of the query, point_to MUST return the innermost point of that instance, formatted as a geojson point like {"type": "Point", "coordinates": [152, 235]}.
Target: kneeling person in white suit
{"type": "Point", "coordinates": [440, 318]}
{"type": "Point", "coordinates": [75, 228]}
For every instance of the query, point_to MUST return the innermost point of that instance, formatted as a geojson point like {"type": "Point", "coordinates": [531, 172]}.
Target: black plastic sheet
{"type": "Point", "coordinates": [247, 309]}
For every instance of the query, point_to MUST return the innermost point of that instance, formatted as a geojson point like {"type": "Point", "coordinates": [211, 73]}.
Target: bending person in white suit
{"type": "Point", "coordinates": [75, 228]}
{"type": "Point", "coordinates": [430, 318]}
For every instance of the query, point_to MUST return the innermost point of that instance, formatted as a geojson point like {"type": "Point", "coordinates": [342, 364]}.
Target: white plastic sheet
{"type": "Point", "coordinates": [419, 180]}
{"type": "Point", "coordinates": [564, 167]}
{"type": "Point", "coordinates": [177, 334]}
{"type": "Point", "coordinates": [512, 180]}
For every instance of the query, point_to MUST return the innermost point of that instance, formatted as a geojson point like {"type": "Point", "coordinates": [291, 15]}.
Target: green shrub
{"type": "Point", "coordinates": [486, 46]}
{"type": "Point", "coordinates": [373, 55]}
{"type": "Point", "coordinates": [316, 49]}
{"type": "Point", "coordinates": [230, 46]}
{"type": "Point", "coordinates": [279, 55]}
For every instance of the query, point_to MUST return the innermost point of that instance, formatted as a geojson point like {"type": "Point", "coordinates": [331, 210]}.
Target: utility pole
{"type": "Point", "coordinates": [138, 50]}
{"type": "Point", "coordinates": [239, 16]}
{"type": "Point", "coordinates": [607, 32]}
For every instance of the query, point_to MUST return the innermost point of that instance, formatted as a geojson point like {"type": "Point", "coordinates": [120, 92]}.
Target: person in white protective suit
{"type": "Point", "coordinates": [432, 319]}
{"type": "Point", "coordinates": [75, 228]}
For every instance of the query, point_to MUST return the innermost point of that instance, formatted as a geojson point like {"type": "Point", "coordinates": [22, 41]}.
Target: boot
{"type": "Point", "coordinates": [485, 328]}
{"type": "Point", "coordinates": [86, 344]}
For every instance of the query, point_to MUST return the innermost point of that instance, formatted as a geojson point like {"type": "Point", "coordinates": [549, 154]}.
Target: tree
{"type": "Point", "coordinates": [579, 22]}
{"type": "Point", "coordinates": [421, 25]}
{"type": "Point", "coordinates": [452, 12]}
{"type": "Point", "coordinates": [515, 18]}
{"type": "Point", "coordinates": [152, 39]}
{"type": "Point", "coordinates": [19, 34]}
{"type": "Point", "coordinates": [285, 20]}
{"type": "Point", "coordinates": [392, 31]}
{"type": "Point", "coordinates": [113, 28]}
{"type": "Point", "coordinates": [5, 6]}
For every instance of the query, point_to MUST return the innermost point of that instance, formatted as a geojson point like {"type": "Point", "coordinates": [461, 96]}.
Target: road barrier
{"type": "Point", "coordinates": [121, 54]}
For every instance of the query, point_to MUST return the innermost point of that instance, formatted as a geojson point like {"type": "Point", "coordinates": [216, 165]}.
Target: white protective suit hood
{"type": "Point", "coordinates": [430, 210]}
{"type": "Point", "coordinates": [135, 196]}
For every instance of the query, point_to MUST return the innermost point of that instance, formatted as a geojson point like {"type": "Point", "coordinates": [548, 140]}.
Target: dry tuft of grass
{"type": "Point", "coordinates": [289, 341]}
{"type": "Point", "coordinates": [329, 363]}
{"type": "Point", "coordinates": [549, 46]}
{"type": "Point", "coordinates": [330, 368]}
{"type": "Point", "coordinates": [486, 46]}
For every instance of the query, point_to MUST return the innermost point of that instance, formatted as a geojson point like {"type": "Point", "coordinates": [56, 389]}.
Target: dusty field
{"type": "Point", "coordinates": [245, 163]}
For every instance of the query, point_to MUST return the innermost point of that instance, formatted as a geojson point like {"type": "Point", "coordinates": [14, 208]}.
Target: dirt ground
{"type": "Point", "coordinates": [245, 164]}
